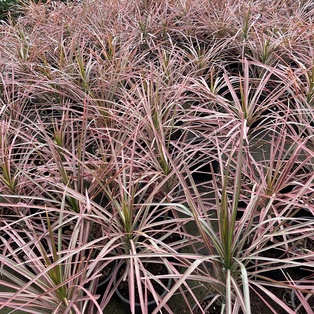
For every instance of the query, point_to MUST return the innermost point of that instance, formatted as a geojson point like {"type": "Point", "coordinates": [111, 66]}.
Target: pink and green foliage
{"type": "Point", "coordinates": [157, 132]}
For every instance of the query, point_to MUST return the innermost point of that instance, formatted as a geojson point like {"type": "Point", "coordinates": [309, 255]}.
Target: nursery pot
{"type": "Point", "coordinates": [151, 304]}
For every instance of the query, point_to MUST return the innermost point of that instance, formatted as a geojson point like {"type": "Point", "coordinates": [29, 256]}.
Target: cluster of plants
{"type": "Point", "coordinates": [157, 144]}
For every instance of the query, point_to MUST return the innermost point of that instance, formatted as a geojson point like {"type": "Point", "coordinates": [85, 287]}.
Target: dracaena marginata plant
{"type": "Point", "coordinates": [48, 254]}
{"type": "Point", "coordinates": [218, 233]}
{"type": "Point", "coordinates": [143, 231]}
{"type": "Point", "coordinates": [246, 245]}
